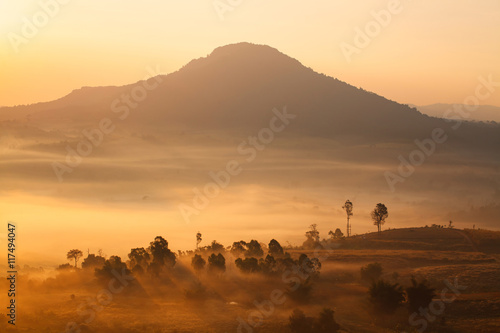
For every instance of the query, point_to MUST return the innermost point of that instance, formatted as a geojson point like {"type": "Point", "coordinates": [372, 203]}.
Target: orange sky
{"type": "Point", "coordinates": [429, 51]}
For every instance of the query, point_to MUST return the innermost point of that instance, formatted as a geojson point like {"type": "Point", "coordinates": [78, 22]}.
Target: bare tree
{"type": "Point", "coordinates": [348, 209]}
{"type": "Point", "coordinates": [379, 214]}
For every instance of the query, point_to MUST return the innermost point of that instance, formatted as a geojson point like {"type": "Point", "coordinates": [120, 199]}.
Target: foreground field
{"type": "Point", "coordinates": [183, 301]}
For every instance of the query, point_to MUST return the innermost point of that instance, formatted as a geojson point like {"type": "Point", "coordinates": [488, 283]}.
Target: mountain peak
{"type": "Point", "coordinates": [244, 47]}
{"type": "Point", "coordinates": [246, 54]}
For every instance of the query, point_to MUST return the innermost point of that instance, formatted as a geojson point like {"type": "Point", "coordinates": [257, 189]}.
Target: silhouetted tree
{"type": "Point", "coordinates": [198, 239]}
{"type": "Point", "coordinates": [74, 255]}
{"type": "Point", "coordinates": [268, 265]}
{"type": "Point", "coordinates": [161, 254]}
{"type": "Point", "coordinates": [371, 272]}
{"type": "Point", "coordinates": [275, 248]}
{"type": "Point", "coordinates": [65, 267]}
{"type": "Point", "coordinates": [198, 263]}
{"type": "Point", "coordinates": [93, 261]}
{"type": "Point", "coordinates": [312, 237]}
{"type": "Point", "coordinates": [420, 294]}
{"type": "Point", "coordinates": [309, 266]}
{"type": "Point", "coordinates": [254, 249]}
{"type": "Point", "coordinates": [348, 209]}
{"type": "Point", "coordinates": [247, 265]}
{"type": "Point", "coordinates": [385, 297]}
{"type": "Point", "coordinates": [114, 263]}
{"type": "Point", "coordinates": [216, 263]}
{"type": "Point", "coordinates": [139, 257]}
{"type": "Point", "coordinates": [238, 248]}
{"type": "Point", "coordinates": [154, 269]}
{"type": "Point", "coordinates": [338, 234]}
{"type": "Point", "coordinates": [216, 247]}
{"type": "Point", "coordinates": [379, 214]}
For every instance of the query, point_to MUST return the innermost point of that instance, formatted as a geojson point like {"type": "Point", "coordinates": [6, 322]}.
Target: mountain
{"type": "Point", "coordinates": [237, 86]}
{"type": "Point", "coordinates": [167, 145]}
{"type": "Point", "coordinates": [485, 113]}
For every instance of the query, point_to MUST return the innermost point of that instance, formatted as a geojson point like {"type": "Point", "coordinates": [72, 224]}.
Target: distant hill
{"type": "Point", "coordinates": [237, 86]}
{"type": "Point", "coordinates": [485, 113]}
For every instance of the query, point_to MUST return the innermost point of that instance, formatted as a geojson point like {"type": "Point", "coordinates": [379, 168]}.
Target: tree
{"type": "Point", "coordinates": [268, 265]}
{"type": "Point", "coordinates": [275, 248]}
{"type": "Point", "coordinates": [93, 261]}
{"type": "Point", "coordinates": [254, 249]}
{"type": "Point", "coordinates": [379, 214]}
{"type": "Point", "coordinates": [371, 272]}
{"type": "Point", "coordinates": [385, 296]}
{"type": "Point", "coordinates": [312, 237]}
{"type": "Point", "coordinates": [216, 247]}
{"type": "Point", "coordinates": [420, 294]}
{"type": "Point", "coordinates": [65, 267]}
{"type": "Point", "coordinates": [198, 239]}
{"type": "Point", "coordinates": [248, 265]}
{"type": "Point", "coordinates": [113, 264]}
{"type": "Point", "coordinates": [348, 209]}
{"type": "Point", "coordinates": [198, 263]}
{"type": "Point", "coordinates": [338, 234]}
{"type": "Point", "coordinates": [238, 248]}
{"type": "Point", "coordinates": [309, 266]}
{"type": "Point", "coordinates": [450, 225]}
{"type": "Point", "coordinates": [216, 263]}
{"type": "Point", "coordinates": [139, 257]}
{"type": "Point", "coordinates": [74, 255]}
{"type": "Point", "coordinates": [161, 254]}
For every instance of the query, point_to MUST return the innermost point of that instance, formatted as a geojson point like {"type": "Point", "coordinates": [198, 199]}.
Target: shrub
{"type": "Point", "coordinates": [385, 297]}
{"type": "Point", "coordinates": [420, 294]}
{"type": "Point", "coordinates": [325, 323]}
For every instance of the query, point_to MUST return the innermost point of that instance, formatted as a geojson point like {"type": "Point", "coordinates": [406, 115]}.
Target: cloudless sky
{"type": "Point", "coordinates": [433, 51]}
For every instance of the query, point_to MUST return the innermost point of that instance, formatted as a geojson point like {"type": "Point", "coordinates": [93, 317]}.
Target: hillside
{"type": "Point", "coordinates": [485, 113]}
{"type": "Point", "coordinates": [428, 238]}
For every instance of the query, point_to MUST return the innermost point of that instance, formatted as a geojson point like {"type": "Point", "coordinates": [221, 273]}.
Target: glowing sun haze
{"type": "Point", "coordinates": [432, 51]}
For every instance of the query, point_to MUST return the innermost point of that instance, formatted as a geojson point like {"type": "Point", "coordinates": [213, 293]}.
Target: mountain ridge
{"type": "Point", "coordinates": [237, 86]}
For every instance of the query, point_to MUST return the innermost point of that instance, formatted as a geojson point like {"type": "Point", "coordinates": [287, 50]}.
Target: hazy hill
{"type": "Point", "coordinates": [485, 113]}
{"type": "Point", "coordinates": [236, 86]}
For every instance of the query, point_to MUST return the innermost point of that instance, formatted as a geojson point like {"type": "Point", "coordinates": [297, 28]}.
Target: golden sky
{"type": "Point", "coordinates": [428, 51]}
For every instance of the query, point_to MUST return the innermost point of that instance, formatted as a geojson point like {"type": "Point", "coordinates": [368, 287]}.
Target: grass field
{"type": "Point", "coordinates": [440, 255]}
